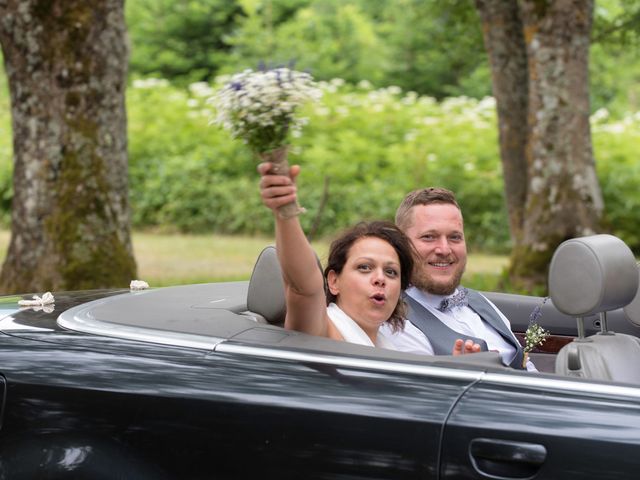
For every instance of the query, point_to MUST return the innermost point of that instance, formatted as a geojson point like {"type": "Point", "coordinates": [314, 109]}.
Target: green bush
{"type": "Point", "coordinates": [371, 146]}
{"type": "Point", "coordinates": [615, 148]}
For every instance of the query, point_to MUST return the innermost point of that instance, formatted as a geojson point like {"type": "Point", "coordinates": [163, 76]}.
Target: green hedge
{"type": "Point", "coordinates": [372, 145]}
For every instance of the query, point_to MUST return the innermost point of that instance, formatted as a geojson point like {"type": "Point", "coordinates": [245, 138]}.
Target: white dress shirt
{"type": "Point", "coordinates": [411, 339]}
{"type": "Point", "coordinates": [459, 319]}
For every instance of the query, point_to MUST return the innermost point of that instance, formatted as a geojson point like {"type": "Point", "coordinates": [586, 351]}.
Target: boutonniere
{"type": "Point", "coordinates": [535, 334]}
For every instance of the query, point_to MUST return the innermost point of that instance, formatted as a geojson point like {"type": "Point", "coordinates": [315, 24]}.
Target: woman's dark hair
{"type": "Point", "coordinates": [387, 231]}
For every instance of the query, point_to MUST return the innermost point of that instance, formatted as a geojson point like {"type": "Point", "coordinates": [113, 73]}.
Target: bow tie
{"type": "Point", "coordinates": [458, 300]}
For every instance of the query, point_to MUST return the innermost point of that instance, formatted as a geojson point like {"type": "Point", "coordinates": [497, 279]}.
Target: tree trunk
{"type": "Point", "coordinates": [502, 32]}
{"type": "Point", "coordinates": [538, 52]}
{"type": "Point", "coordinates": [564, 199]}
{"type": "Point", "coordinates": [66, 62]}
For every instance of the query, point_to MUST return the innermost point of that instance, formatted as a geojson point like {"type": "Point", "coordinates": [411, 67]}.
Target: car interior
{"type": "Point", "coordinates": [593, 288]}
{"type": "Point", "coordinates": [590, 278]}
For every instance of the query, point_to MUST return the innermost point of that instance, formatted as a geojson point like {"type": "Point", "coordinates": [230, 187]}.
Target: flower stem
{"type": "Point", "coordinates": [280, 166]}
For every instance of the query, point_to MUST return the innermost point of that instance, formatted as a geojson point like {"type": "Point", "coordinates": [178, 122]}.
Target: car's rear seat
{"type": "Point", "coordinates": [594, 275]}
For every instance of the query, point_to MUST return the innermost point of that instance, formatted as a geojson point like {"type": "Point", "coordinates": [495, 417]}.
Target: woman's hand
{"type": "Point", "coordinates": [462, 348]}
{"type": "Point", "coordinates": [277, 190]}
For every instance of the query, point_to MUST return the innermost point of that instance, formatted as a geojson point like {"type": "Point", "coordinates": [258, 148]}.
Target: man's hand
{"type": "Point", "coordinates": [462, 348]}
{"type": "Point", "coordinates": [277, 190]}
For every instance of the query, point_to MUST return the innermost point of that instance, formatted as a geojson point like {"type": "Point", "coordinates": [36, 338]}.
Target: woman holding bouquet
{"type": "Point", "coordinates": [368, 267]}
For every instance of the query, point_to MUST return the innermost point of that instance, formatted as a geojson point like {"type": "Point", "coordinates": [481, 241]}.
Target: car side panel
{"type": "Point", "coordinates": [161, 412]}
{"type": "Point", "coordinates": [288, 419]}
{"type": "Point", "coordinates": [506, 431]}
{"type": "Point", "coordinates": [68, 410]}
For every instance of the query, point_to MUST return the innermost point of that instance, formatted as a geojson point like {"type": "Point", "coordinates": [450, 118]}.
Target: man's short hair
{"type": "Point", "coordinates": [422, 196]}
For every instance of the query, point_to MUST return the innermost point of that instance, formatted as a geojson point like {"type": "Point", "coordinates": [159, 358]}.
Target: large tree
{"type": "Point", "coordinates": [66, 63]}
{"type": "Point", "coordinates": [538, 51]}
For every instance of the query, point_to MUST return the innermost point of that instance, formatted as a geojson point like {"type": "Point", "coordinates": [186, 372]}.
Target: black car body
{"type": "Point", "coordinates": [183, 382]}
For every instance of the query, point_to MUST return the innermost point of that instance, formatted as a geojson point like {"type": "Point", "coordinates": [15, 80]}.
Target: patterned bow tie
{"type": "Point", "coordinates": [458, 300]}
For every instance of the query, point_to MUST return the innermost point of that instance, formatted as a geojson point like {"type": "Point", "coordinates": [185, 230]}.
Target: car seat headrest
{"type": "Point", "coordinates": [632, 310]}
{"type": "Point", "coordinates": [265, 295]}
{"type": "Point", "coordinates": [592, 274]}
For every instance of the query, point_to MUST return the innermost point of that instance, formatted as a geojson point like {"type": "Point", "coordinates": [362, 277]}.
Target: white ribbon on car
{"type": "Point", "coordinates": [46, 299]}
{"type": "Point", "coordinates": [351, 331]}
{"type": "Point", "coordinates": [38, 303]}
{"type": "Point", "coordinates": [138, 285]}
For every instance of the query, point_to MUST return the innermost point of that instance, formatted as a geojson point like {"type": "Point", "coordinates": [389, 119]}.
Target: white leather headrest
{"type": "Point", "coordinates": [632, 311]}
{"type": "Point", "coordinates": [592, 274]}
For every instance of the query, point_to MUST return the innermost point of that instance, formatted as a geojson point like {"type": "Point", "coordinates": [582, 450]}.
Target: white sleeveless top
{"type": "Point", "coordinates": [351, 331]}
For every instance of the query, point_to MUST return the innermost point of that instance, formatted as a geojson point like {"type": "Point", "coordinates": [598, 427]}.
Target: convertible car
{"type": "Point", "coordinates": [202, 382]}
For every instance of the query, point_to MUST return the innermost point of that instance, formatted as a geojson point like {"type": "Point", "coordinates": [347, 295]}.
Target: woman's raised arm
{"type": "Point", "coordinates": [304, 283]}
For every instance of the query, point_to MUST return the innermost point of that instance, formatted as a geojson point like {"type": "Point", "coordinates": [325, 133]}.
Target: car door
{"type": "Point", "coordinates": [296, 414]}
{"type": "Point", "coordinates": [517, 426]}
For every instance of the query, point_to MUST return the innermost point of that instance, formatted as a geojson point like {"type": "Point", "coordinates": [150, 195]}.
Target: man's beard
{"type": "Point", "coordinates": [421, 280]}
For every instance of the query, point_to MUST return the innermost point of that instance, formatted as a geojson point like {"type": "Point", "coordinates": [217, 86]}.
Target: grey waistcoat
{"type": "Point", "coordinates": [442, 338]}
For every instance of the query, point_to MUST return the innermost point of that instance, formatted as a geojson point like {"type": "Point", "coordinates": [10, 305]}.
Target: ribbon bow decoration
{"type": "Point", "coordinates": [460, 299]}
{"type": "Point", "coordinates": [38, 303]}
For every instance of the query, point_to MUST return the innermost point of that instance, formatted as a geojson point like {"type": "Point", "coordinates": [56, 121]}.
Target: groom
{"type": "Point", "coordinates": [440, 310]}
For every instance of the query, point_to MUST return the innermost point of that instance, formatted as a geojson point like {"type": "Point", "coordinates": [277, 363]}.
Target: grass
{"type": "Point", "coordinates": [172, 259]}
{"type": "Point", "coordinates": [176, 259]}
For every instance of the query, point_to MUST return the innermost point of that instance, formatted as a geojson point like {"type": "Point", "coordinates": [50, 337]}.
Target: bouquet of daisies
{"type": "Point", "coordinates": [259, 108]}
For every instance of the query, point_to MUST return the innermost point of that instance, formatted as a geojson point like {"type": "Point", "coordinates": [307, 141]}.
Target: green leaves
{"type": "Point", "coordinates": [373, 145]}
{"type": "Point", "coordinates": [183, 41]}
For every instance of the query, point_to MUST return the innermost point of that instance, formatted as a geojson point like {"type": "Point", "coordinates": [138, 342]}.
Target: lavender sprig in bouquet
{"type": "Point", "coordinates": [259, 108]}
{"type": "Point", "coordinates": [535, 334]}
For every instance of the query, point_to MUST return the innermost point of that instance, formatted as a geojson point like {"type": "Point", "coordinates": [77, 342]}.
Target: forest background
{"type": "Point", "coordinates": [407, 103]}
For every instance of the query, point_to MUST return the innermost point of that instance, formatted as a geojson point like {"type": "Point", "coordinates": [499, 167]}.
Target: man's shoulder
{"type": "Point", "coordinates": [481, 296]}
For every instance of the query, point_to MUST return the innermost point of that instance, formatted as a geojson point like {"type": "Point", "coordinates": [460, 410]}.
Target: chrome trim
{"type": "Point", "coordinates": [561, 384]}
{"type": "Point", "coordinates": [77, 319]}
{"type": "Point", "coordinates": [486, 378]}
{"type": "Point", "coordinates": [386, 365]}
{"type": "Point", "coordinates": [72, 320]}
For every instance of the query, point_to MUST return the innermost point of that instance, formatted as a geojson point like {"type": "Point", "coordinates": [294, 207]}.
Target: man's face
{"type": "Point", "coordinates": [436, 231]}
